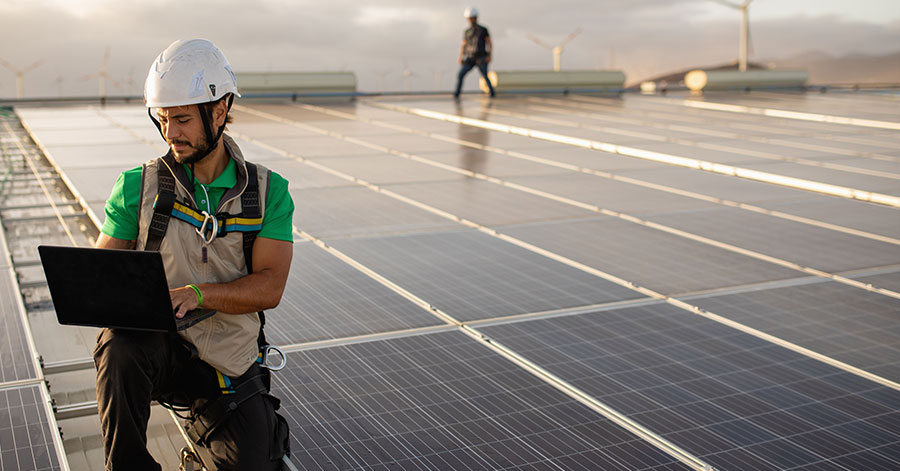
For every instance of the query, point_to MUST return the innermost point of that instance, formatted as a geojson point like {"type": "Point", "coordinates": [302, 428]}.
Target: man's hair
{"type": "Point", "coordinates": [208, 107]}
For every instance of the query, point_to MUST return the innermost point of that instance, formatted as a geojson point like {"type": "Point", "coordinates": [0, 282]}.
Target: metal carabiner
{"type": "Point", "coordinates": [265, 358]}
{"type": "Point", "coordinates": [201, 231]}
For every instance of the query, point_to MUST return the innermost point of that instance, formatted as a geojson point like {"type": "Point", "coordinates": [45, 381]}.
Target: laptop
{"type": "Point", "coordinates": [122, 289]}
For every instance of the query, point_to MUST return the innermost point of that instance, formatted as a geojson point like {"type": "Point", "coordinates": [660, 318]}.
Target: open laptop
{"type": "Point", "coordinates": [124, 289]}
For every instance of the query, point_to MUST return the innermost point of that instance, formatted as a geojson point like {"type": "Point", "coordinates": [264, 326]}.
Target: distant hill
{"type": "Point", "coordinates": [826, 69]}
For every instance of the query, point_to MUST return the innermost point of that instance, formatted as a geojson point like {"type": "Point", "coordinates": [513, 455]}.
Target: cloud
{"type": "Point", "coordinates": [648, 37]}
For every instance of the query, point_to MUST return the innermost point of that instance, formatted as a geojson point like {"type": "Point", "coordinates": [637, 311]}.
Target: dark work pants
{"type": "Point", "coordinates": [136, 367]}
{"type": "Point", "coordinates": [467, 65]}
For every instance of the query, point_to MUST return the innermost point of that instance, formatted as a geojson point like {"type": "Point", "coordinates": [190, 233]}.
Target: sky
{"type": "Point", "coordinates": [379, 39]}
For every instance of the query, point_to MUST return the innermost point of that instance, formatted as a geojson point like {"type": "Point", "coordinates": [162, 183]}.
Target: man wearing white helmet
{"type": "Point", "coordinates": [223, 227]}
{"type": "Point", "coordinates": [475, 51]}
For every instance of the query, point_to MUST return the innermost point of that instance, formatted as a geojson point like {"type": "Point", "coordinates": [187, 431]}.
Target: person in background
{"type": "Point", "coordinates": [475, 51]}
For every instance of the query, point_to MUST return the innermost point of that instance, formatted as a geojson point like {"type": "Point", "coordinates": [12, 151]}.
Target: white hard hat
{"type": "Point", "coordinates": [188, 72]}
{"type": "Point", "coordinates": [471, 12]}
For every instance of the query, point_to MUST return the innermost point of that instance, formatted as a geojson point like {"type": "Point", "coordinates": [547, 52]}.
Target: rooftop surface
{"type": "Point", "coordinates": [530, 282]}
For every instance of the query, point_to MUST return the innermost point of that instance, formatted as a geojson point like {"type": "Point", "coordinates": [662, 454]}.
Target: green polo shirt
{"type": "Point", "coordinates": [123, 206]}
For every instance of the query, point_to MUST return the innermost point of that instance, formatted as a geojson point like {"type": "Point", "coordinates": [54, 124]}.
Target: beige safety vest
{"type": "Point", "coordinates": [226, 341]}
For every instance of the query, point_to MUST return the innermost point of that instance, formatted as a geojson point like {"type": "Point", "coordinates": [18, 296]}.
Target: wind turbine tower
{"type": "Point", "coordinates": [102, 75]}
{"type": "Point", "coordinates": [558, 49]}
{"type": "Point", "coordinates": [745, 31]}
{"type": "Point", "coordinates": [20, 75]}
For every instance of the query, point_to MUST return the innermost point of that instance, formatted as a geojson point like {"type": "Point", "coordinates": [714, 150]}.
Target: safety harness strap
{"type": "Point", "coordinates": [162, 208]}
{"type": "Point", "coordinates": [206, 419]}
{"type": "Point", "coordinates": [250, 207]}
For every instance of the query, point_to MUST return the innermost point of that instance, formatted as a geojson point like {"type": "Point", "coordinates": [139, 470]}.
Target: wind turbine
{"type": "Point", "coordinates": [103, 75]}
{"type": "Point", "coordinates": [381, 74]}
{"type": "Point", "coordinates": [59, 80]}
{"type": "Point", "coordinates": [20, 75]}
{"type": "Point", "coordinates": [558, 49]}
{"type": "Point", "coordinates": [745, 31]}
{"type": "Point", "coordinates": [408, 76]}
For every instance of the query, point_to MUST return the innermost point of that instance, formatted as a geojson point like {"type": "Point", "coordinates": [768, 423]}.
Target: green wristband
{"type": "Point", "coordinates": [199, 294]}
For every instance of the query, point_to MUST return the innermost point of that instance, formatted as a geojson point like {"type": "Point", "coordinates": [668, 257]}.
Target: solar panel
{"type": "Point", "coordinates": [856, 214]}
{"type": "Point", "coordinates": [353, 210]}
{"type": "Point", "coordinates": [470, 275]}
{"type": "Point", "coordinates": [411, 143]}
{"type": "Point", "coordinates": [858, 181]}
{"type": "Point", "coordinates": [442, 401]}
{"type": "Point", "coordinates": [487, 203]}
{"type": "Point", "coordinates": [315, 147]}
{"type": "Point", "coordinates": [95, 155]}
{"type": "Point", "coordinates": [722, 186]}
{"type": "Point", "coordinates": [800, 243]}
{"type": "Point", "coordinates": [489, 163]}
{"type": "Point", "coordinates": [891, 166]}
{"type": "Point", "coordinates": [15, 355]}
{"type": "Point", "coordinates": [26, 442]}
{"type": "Point", "coordinates": [843, 322]}
{"type": "Point", "coordinates": [611, 194]}
{"type": "Point", "coordinates": [662, 262]}
{"type": "Point", "coordinates": [734, 400]}
{"type": "Point", "coordinates": [386, 169]}
{"type": "Point", "coordinates": [95, 184]}
{"type": "Point", "coordinates": [263, 128]}
{"type": "Point", "coordinates": [107, 135]}
{"type": "Point", "coordinates": [889, 281]}
{"type": "Point", "coordinates": [299, 175]}
{"type": "Point", "coordinates": [325, 298]}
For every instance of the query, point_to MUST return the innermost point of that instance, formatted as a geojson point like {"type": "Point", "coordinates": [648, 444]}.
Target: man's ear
{"type": "Point", "coordinates": [220, 110]}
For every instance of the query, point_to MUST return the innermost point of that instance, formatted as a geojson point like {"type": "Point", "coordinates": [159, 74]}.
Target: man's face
{"type": "Point", "coordinates": [473, 20]}
{"type": "Point", "coordinates": [183, 130]}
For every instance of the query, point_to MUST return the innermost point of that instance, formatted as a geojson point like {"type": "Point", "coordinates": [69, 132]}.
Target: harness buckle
{"type": "Point", "coordinates": [265, 358]}
{"type": "Point", "coordinates": [214, 229]}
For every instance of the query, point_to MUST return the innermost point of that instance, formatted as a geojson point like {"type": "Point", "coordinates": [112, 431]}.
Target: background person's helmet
{"type": "Point", "coordinates": [471, 12]}
{"type": "Point", "coordinates": [189, 72]}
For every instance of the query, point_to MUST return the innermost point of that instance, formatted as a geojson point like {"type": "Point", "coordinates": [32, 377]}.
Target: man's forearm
{"type": "Point", "coordinates": [255, 292]}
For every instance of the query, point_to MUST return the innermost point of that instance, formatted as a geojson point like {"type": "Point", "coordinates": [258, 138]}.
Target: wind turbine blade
{"type": "Point", "coordinates": [115, 82]}
{"type": "Point", "coordinates": [571, 37]}
{"type": "Point", "coordinates": [7, 65]}
{"type": "Point", "coordinates": [539, 42]}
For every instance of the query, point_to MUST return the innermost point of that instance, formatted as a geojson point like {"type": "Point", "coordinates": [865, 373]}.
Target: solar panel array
{"type": "Point", "coordinates": [469, 298]}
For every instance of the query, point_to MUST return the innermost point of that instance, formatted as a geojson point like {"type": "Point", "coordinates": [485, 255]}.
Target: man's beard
{"type": "Point", "coordinates": [194, 156]}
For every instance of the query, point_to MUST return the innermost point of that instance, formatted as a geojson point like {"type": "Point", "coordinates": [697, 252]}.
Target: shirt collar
{"type": "Point", "coordinates": [226, 179]}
